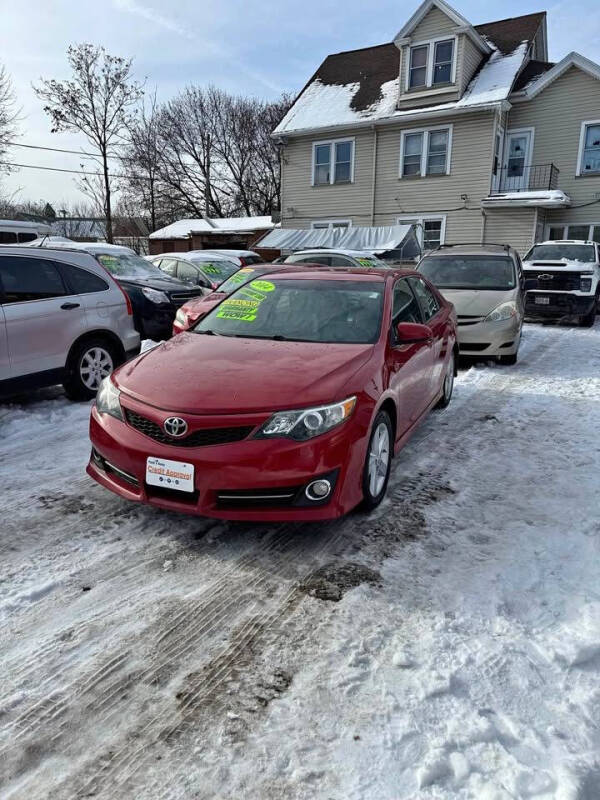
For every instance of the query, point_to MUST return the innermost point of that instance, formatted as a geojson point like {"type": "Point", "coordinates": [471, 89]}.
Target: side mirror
{"type": "Point", "coordinates": [530, 283]}
{"type": "Point", "coordinates": [412, 333]}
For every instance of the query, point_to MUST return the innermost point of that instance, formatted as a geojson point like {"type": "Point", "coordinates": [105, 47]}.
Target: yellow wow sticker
{"type": "Point", "coordinates": [263, 286]}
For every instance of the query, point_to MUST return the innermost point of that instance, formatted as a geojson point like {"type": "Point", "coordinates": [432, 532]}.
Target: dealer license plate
{"type": "Point", "coordinates": [542, 301]}
{"type": "Point", "coordinates": [170, 474]}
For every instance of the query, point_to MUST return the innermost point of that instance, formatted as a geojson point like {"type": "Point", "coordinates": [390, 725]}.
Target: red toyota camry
{"type": "Point", "coordinates": [285, 402]}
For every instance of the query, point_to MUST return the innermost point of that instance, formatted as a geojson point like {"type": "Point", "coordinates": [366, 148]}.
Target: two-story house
{"type": "Point", "coordinates": [466, 130]}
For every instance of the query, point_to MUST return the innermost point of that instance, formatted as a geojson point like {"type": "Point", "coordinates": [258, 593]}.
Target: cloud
{"type": "Point", "coordinates": [132, 7]}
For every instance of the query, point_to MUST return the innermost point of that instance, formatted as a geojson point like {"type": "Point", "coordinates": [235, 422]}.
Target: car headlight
{"type": "Point", "coordinates": [503, 312]}
{"type": "Point", "coordinates": [154, 295]}
{"type": "Point", "coordinates": [181, 317]}
{"type": "Point", "coordinates": [107, 399]}
{"type": "Point", "coordinates": [586, 285]}
{"type": "Point", "coordinates": [308, 422]}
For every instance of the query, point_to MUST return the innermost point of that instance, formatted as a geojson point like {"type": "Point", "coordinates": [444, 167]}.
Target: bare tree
{"type": "Point", "coordinates": [98, 101]}
{"type": "Point", "coordinates": [8, 116]}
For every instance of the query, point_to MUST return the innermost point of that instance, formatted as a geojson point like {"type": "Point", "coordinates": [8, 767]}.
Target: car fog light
{"type": "Point", "coordinates": [318, 490]}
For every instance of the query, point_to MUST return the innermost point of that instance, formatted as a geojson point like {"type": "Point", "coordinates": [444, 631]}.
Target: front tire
{"type": "Point", "coordinates": [89, 363]}
{"type": "Point", "coordinates": [444, 400]}
{"type": "Point", "coordinates": [378, 462]}
{"type": "Point", "coordinates": [588, 320]}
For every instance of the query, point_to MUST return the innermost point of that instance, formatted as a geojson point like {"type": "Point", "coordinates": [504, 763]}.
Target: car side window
{"type": "Point", "coordinates": [8, 237]}
{"type": "Point", "coordinates": [404, 305]}
{"type": "Point", "coordinates": [341, 261]}
{"type": "Point", "coordinates": [168, 265]}
{"type": "Point", "coordinates": [325, 260]}
{"type": "Point", "coordinates": [26, 279]}
{"type": "Point", "coordinates": [81, 281]}
{"type": "Point", "coordinates": [427, 300]}
{"type": "Point", "coordinates": [186, 272]}
{"type": "Point", "coordinates": [27, 237]}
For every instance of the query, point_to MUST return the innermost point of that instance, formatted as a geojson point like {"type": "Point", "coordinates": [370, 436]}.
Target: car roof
{"type": "Point", "coordinates": [92, 247]}
{"type": "Point", "coordinates": [225, 251]}
{"type": "Point", "coordinates": [470, 249]}
{"type": "Point", "coordinates": [337, 250]}
{"type": "Point", "coordinates": [194, 255]}
{"type": "Point", "coordinates": [340, 273]}
{"type": "Point", "coordinates": [566, 241]}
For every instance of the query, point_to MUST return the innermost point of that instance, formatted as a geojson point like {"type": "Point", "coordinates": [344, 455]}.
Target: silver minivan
{"type": "Point", "coordinates": [63, 319]}
{"type": "Point", "coordinates": [485, 285]}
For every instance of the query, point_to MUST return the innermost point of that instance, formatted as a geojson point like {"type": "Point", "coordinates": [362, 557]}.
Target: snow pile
{"type": "Point", "coordinates": [494, 82]}
{"type": "Point", "coordinates": [545, 199]}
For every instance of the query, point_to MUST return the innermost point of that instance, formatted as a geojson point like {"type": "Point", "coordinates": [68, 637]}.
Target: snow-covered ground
{"type": "Point", "coordinates": [447, 646]}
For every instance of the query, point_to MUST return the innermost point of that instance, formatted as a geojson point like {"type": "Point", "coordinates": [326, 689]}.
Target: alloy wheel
{"type": "Point", "coordinates": [379, 459]}
{"type": "Point", "coordinates": [96, 364]}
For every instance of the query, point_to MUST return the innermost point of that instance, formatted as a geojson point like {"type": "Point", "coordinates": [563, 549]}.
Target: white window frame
{"type": "Point", "coordinates": [332, 143]}
{"type": "Point", "coordinates": [565, 226]}
{"type": "Point", "coordinates": [425, 151]}
{"type": "Point", "coordinates": [419, 220]}
{"type": "Point", "coordinates": [430, 44]}
{"type": "Point", "coordinates": [328, 224]}
{"type": "Point", "coordinates": [584, 126]}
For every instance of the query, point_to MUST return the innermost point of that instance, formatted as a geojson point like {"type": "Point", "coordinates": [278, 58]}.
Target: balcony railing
{"type": "Point", "coordinates": [519, 178]}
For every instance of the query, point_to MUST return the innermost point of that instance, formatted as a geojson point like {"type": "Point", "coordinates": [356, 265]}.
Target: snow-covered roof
{"type": "Point", "coordinates": [376, 239]}
{"type": "Point", "coordinates": [573, 59]}
{"type": "Point", "coordinates": [552, 198]}
{"type": "Point", "coordinates": [183, 228]}
{"type": "Point", "coordinates": [331, 105]}
{"type": "Point", "coordinates": [359, 87]}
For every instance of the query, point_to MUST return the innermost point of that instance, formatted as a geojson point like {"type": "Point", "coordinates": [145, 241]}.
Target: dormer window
{"type": "Point", "coordinates": [431, 64]}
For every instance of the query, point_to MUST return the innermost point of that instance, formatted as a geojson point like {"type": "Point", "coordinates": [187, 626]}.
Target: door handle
{"type": "Point", "coordinates": [69, 306]}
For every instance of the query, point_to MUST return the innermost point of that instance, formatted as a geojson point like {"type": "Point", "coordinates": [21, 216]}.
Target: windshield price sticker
{"type": "Point", "coordinates": [365, 262]}
{"type": "Point", "coordinates": [245, 304]}
{"type": "Point", "coordinates": [241, 276]}
{"type": "Point", "coordinates": [211, 269]}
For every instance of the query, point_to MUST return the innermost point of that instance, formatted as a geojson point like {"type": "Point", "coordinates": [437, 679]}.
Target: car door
{"type": "Point", "coordinates": [409, 365]}
{"type": "Point", "coordinates": [436, 316]}
{"type": "Point", "coordinates": [42, 318]}
{"type": "Point", "coordinates": [168, 266]}
{"type": "Point", "coordinates": [187, 272]}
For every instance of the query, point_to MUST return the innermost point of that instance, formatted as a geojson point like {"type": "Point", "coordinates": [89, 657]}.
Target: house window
{"type": "Point", "coordinates": [333, 162]}
{"type": "Point", "coordinates": [425, 152]}
{"type": "Point", "coordinates": [431, 64]}
{"type": "Point", "coordinates": [589, 149]}
{"type": "Point", "coordinates": [586, 232]}
{"type": "Point", "coordinates": [442, 62]}
{"type": "Point", "coordinates": [419, 58]}
{"type": "Point", "coordinates": [431, 231]}
{"type": "Point", "coordinates": [331, 224]}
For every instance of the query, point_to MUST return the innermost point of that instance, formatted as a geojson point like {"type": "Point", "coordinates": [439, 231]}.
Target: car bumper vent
{"type": "Point", "coordinates": [199, 438]}
{"type": "Point", "coordinates": [475, 347]}
{"type": "Point", "coordinates": [257, 498]}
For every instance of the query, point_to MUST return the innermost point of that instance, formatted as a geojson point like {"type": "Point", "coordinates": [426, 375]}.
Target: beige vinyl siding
{"type": "Point", "coordinates": [434, 24]}
{"type": "Point", "coordinates": [470, 169]}
{"type": "Point", "coordinates": [302, 202]}
{"type": "Point", "coordinates": [556, 114]}
{"type": "Point", "coordinates": [513, 226]}
{"type": "Point", "coordinates": [469, 59]}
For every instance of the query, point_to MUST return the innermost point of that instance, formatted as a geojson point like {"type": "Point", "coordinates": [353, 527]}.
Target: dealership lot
{"type": "Point", "coordinates": [448, 645]}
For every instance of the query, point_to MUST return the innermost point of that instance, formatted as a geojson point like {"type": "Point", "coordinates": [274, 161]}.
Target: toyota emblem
{"type": "Point", "coordinates": [175, 426]}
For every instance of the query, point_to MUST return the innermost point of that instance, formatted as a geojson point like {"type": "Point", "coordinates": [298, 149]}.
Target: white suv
{"type": "Point", "coordinates": [562, 279]}
{"type": "Point", "coordinates": [63, 319]}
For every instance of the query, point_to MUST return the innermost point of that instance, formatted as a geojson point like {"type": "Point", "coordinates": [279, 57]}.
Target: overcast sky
{"type": "Point", "coordinates": [257, 47]}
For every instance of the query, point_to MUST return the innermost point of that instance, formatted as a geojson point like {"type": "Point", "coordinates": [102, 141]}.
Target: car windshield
{"type": "Point", "coordinates": [558, 252]}
{"type": "Point", "coordinates": [492, 273]}
{"type": "Point", "coordinates": [300, 310]}
{"type": "Point", "coordinates": [217, 271]}
{"type": "Point", "coordinates": [239, 278]}
{"type": "Point", "coordinates": [129, 265]}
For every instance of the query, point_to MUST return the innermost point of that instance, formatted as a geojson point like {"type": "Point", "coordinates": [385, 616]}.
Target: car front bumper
{"type": "Point", "coordinates": [248, 468]}
{"type": "Point", "coordinates": [560, 304]}
{"type": "Point", "coordinates": [490, 339]}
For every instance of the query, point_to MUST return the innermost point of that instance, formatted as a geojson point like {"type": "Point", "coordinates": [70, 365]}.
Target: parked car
{"type": "Point", "coordinates": [330, 257]}
{"type": "Point", "coordinates": [243, 258]}
{"type": "Point", "coordinates": [197, 267]}
{"type": "Point", "coordinates": [485, 285]}
{"type": "Point", "coordinates": [562, 279]}
{"type": "Point", "coordinates": [13, 231]}
{"type": "Point", "coordinates": [333, 372]}
{"type": "Point", "coordinates": [154, 295]}
{"type": "Point", "coordinates": [63, 319]}
{"type": "Point", "coordinates": [194, 309]}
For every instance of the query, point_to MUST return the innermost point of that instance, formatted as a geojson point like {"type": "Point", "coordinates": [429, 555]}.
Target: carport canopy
{"type": "Point", "coordinates": [376, 239]}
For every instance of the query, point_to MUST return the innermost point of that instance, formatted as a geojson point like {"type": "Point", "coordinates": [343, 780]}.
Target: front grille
{"type": "Point", "coordinates": [199, 438]}
{"type": "Point", "coordinates": [476, 347]}
{"type": "Point", "coordinates": [257, 498]}
{"type": "Point", "coordinates": [191, 498]}
{"type": "Point", "coordinates": [464, 319]}
{"type": "Point", "coordinates": [179, 298]}
{"type": "Point", "coordinates": [554, 281]}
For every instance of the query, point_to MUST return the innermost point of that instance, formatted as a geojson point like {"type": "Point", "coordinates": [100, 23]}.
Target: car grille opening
{"type": "Point", "coordinates": [464, 319]}
{"type": "Point", "coordinates": [179, 298]}
{"type": "Point", "coordinates": [200, 438]}
{"type": "Point", "coordinates": [476, 347]}
{"type": "Point", "coordinates": [555, 281]}
{"type": "Point", "coordinates": [110, 469]}
{"type": "Point", "coordinates": [257, 498]}
{"type": "Point", "coordinates": [160, 493]}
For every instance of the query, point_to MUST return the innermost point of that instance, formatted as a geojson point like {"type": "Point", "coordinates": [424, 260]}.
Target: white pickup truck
{"type": "Point", "coordinates": [562, 281]}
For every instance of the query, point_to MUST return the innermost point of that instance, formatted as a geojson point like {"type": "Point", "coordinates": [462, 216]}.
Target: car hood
{"type": "Point", "coordinates": [476, 303]}
{"type": "Point", "coordinates": [560, 263]}
{"type": "Point", "coordinates": [202, 374]}
{"type": "Point", "coordinates": [165, 284]}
